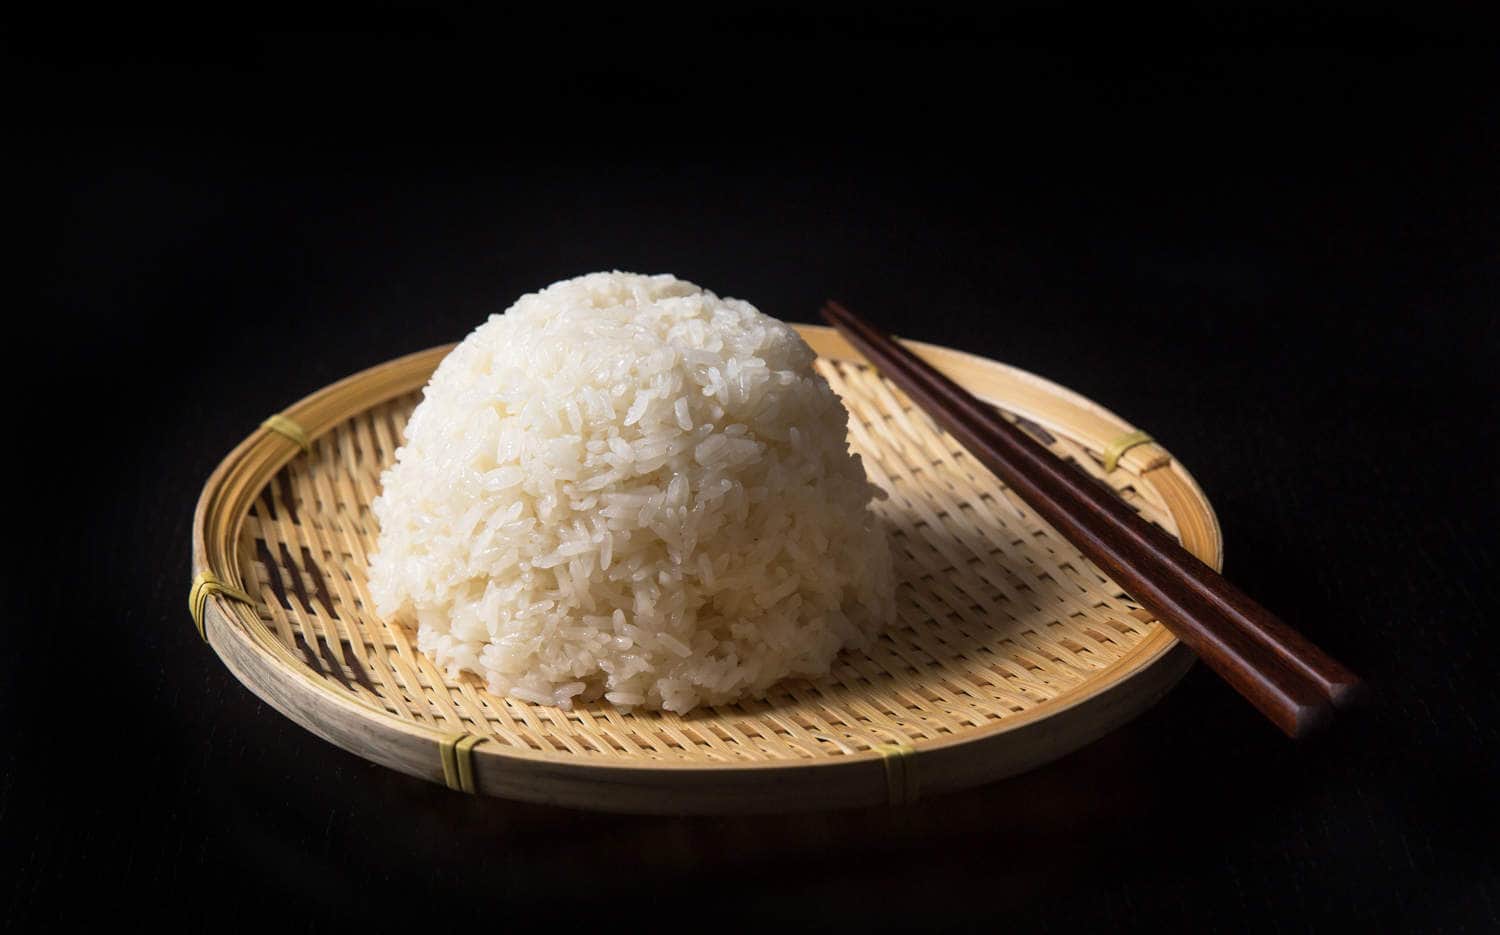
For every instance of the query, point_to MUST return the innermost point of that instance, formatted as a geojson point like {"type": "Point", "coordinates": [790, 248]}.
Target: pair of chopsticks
{"type": "Point", "coordinates": [1293, 683]}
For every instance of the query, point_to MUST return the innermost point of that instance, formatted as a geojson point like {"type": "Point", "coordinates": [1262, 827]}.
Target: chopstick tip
{"type": "Point", "coordinates": [1348, 695]}
{"type": "Point", "coordinates": [1309, 720]}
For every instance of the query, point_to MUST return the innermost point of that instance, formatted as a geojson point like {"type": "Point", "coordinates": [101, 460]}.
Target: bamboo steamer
{"type": "Point", "coordinates": [1010, 648]}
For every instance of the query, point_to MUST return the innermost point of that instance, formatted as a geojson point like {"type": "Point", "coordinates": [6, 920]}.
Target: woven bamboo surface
{"type": "Point", "coordinates": [1010, 648]}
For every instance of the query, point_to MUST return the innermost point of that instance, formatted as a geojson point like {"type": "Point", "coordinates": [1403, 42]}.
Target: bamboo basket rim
{"type": "Point", "coordinates": [216, 527]}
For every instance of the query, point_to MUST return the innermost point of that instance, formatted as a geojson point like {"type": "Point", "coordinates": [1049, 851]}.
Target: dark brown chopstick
{"type": "Point", "coordinates": [1277, 669]}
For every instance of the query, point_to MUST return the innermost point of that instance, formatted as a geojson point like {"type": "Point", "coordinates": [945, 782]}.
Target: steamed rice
{"type": "Point", "coordinates": [628, 487]}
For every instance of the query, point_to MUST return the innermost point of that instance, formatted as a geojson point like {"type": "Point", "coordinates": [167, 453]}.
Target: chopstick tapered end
{"type": "Point", "coordinates": [1349, 695]}
{"type": "Point", "coordinates": [1308, 720]}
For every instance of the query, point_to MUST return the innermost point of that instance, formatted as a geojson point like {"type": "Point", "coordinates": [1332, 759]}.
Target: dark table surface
{"type": "Point", "coordinates": [1271, 244]}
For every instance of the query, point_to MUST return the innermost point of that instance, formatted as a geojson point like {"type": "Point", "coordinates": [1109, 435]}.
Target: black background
{"type": "Point", "coordinates": [1268, 237]}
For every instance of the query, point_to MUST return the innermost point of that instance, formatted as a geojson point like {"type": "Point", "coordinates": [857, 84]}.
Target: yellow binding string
{"type": "Point", "coordinates": [900, 772]}
{"type": "Point", "coordinates": [205, 584]}
{"type": "Point", "coordinates": [1119, 446]}
{"type": "Point", "coordinates": [281, 425]}
{"type": "Point", "coordinates": [458, 760]}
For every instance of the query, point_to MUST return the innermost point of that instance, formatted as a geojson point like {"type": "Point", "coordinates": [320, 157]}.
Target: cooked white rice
{"type": "Point", "coordinates": [627, 486]}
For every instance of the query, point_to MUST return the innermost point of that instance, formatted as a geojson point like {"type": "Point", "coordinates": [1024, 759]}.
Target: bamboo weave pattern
{"type": "Point", "coordinates": [996, 613]}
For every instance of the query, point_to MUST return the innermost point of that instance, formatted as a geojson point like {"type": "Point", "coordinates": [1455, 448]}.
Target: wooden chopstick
{"type": "Point", "coordinates": [1281, 672]}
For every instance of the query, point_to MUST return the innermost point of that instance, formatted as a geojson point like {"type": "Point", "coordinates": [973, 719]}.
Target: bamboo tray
{"type": "Point", "coordinates": [1010, 648]}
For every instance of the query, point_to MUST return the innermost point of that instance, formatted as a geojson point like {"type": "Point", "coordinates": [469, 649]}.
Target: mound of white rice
{"type": "Point", "coordinates": [627, 486]}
